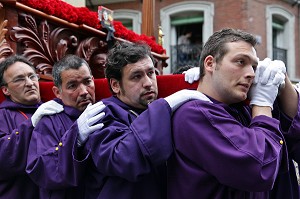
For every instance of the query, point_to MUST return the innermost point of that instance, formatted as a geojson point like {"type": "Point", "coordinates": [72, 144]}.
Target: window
{"type": "Point", "coordinates": [131, 19]}
{"type": "Point", "coordinates": [278, 39]}
{"type": "Point", "coordinates": [197, 15]}
{"type": "Point", "coordinates": [280, 36]}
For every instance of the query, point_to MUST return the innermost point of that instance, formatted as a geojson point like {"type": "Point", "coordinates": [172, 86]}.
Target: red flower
{"type": "Point", "coordinates": [83, 15]}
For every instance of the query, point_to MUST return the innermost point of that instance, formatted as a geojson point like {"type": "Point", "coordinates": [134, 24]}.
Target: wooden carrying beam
{"type": "Point", "coordinates": [44, 39]}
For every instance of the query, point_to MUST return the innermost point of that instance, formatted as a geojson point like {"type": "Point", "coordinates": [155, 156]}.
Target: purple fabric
{"type": "Point", "coordinates": [56, 168]}
{"type": "Point", "coordinates": [222, 153]}
{"type": "Point", "coordinates": [15, 134]}
{"type": "Point", "coordinates": [286, 184]}
{"type": "Point", "coordinates": [129, 153]}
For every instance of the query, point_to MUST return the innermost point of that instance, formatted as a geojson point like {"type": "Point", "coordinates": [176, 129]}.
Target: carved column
{"type": "Point", "coordinates": [147, 17]}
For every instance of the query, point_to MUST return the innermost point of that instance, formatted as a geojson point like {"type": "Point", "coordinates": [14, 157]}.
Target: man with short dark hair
{"type": "Point", "coordinates": [129, 153]}
{"type": "Point", "coordinates": [19, 83]}
{"type": "Point", "coordinates": [56, 160]}
{"type": "Point", "coordinates": [228, 149]}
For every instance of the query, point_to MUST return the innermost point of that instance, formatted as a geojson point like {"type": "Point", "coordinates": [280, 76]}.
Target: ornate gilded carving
{"type": "Point", "coordinates": [40, 45]}
{"type": "Point", "coordinates": [88, 46]}
{"type": "Point", "coordinates": [94, 51]}
{"type": "Point", "coordinates": [5, 49]}
{"type": "Point", "coordinates": [44, 46]}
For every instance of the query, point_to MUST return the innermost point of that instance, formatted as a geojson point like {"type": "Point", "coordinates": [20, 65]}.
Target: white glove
{"type": "Point", "coordinates": [261, 67]}
{"type": "Point", "coordinates": [180, 97]}
{"type": "Point", "coordinates": [87, 119]}
{"type": "Point", "coordinates": [265, 94]}
{"type": "Point", "coordinates": [48, 108]}
{"type": "Point", "coordinates": [192, 75]}
{"type": "Point", "coordinates": [271, 70]}
{"type": "Point", "coordinates": [267, 69]}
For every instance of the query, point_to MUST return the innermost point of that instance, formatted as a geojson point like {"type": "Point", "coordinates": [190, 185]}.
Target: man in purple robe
{"type": "Point", "coordinates": [56, 157]}
{"type": "Point", "coordinates": [228, 149]}
{"type": "Point", "coordinates": [129, 153]}
{"type": "Point", "coordinates": [19, 84]}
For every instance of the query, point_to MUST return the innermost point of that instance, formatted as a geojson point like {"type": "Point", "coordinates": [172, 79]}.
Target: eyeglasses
{"type": "Point", "coordinates": [22, 79]}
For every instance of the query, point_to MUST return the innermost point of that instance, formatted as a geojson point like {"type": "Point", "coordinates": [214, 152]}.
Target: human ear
{"type": "Point", "coordinates": [115, 85]}
{"type": "Point", "coordinates": [5, 90]}
{"type": "Point", "coordinates": [56, 92]}
{"type": "Point", "coordinates": [209, 63]}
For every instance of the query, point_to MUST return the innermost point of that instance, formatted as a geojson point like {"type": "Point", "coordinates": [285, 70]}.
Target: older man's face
{"type": "Point", "coordinates": [77, 89]}
{"type": "Point", "coordinates": [22, 84]}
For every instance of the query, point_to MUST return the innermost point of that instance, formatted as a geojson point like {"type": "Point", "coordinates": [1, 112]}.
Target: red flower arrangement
{"type": "Point", "coordinates": [83, 15]}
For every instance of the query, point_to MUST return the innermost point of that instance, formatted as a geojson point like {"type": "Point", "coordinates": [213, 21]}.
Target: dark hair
{"type": "Point", "coordinates": [123, 54]}
{"type": "Point", "coordinates": [216, 44]}
{"type": "Point", "coordinates": [5, 64]}
{"type": "Point", "coordinates": [66, 63]}
{"type": "Point", "coordinates": [181, 69]}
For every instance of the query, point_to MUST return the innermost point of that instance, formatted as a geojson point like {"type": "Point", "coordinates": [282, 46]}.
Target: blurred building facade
{"type": "Point", "coordinates": [275, 23]}
{"type": "Point", "coordinates": [77, 3]}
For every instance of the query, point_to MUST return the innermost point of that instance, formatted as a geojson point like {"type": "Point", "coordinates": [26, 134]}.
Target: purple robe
{"type": "Point", "coordinates": [286, 184]}
{"type": "Point", "coordinates": [222, 153]}
{"type": "Point", "coordinates": [15, 134]}
{"type": "Point", "coordinates": [129, 153]}
{"type": "Point", "coordinates": [54, 160]}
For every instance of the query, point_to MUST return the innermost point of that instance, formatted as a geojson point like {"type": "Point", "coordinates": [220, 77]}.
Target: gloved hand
{"type": "Point", "coordinates": [270, 72]}
{"type": "Point", "coordinates": [87, 119]}
{"type": "Point", "coordinates": [261, 67]}
{"type": "Point", "coordinates": [180, 97]}
{"type": "Point", "coordinates": [192, 74]}
{"type": "Point", "coordinates": [267, 69]}
{"type": "Point", "coordinates": [265, 94]}
{"type": "Point", "coordinates": [48, 108]}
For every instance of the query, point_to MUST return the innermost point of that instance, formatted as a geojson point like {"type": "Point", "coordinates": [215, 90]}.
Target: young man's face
{"type": "Point", "coordinates": [233, 76]}
{"type": "Point", "coordinates": [138, 86]}
{"type": "Point", "coordinates": [22, 84]}
{"type": "Point", "coordinates": [77, 89]}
